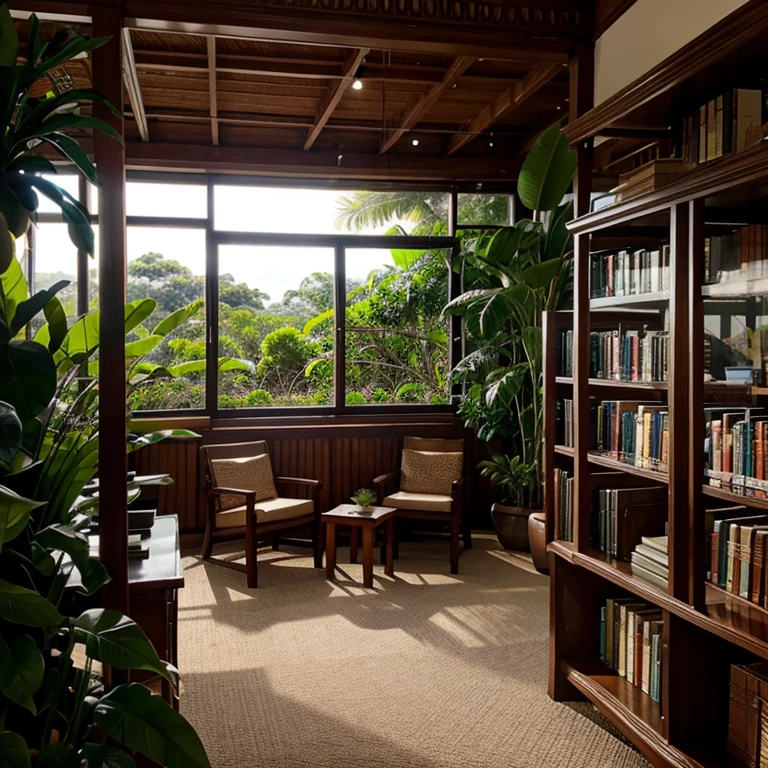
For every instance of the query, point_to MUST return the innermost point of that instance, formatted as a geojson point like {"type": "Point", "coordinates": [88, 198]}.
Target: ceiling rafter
{"type": "Point", "coordinates": [211, 42]}
{"type": "Point", "coordinates": [333, 94]}
{"type": "Point", "coordinates": [427, 101]}
{"type": "Point", "coordinates": [512, 98]}
{"type": "Point", "coordinates": [132, 87]}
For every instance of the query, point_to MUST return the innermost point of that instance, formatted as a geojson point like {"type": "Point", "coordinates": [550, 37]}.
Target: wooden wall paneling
{"type": "Point", "coordinates": [680, 448]}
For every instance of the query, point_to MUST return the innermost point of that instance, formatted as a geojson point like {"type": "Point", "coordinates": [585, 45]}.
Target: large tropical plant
{"type": "Point", "coordinates": [31, 123]}
{"type": "Point", "coordinates": [515, 275]}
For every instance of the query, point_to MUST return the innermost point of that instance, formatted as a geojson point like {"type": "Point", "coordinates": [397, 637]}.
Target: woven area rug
{"type": "Point", "coordinates": [427, 670]}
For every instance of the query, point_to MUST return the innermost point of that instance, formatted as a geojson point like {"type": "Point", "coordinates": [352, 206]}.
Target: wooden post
{"type": "Point", "coordinates": [113, 465]}
{"type": "Point", "coordinates": [83, 259]}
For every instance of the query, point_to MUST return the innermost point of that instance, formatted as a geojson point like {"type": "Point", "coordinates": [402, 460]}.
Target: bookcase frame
{"type": "Point", "coordinates": [705, 628]}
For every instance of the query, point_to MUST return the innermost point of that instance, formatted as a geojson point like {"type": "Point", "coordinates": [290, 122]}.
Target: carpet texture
{"type": "Point", "coordinates": [426, 671]}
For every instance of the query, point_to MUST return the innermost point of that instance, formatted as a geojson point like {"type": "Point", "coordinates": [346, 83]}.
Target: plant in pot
{"type": "Point", "coordinates": [365, 499]}
{"type": "Point", "coordinates": [510, 279]}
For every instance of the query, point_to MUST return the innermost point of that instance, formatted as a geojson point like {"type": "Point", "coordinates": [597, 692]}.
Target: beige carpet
{"type": "Point", "coordinates": [426, 671]}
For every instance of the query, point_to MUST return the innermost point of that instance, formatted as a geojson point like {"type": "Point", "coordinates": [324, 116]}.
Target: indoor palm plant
{"type": "Point", "coordinates": [514, 276]}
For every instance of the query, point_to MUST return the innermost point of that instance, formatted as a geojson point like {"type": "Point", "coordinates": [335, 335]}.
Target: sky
{"type": "Point", "coordinates": [273, 270]}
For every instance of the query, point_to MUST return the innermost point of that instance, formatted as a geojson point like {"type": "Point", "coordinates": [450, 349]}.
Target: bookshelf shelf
{"type": "Point", "coordinates": [565, 450]}
{"type": "Point", "coordinates": [617, 699]}
{"type": "Point", "coordinates": [602, 460]}
{"type": "Point", "coordinates": [706, 629]}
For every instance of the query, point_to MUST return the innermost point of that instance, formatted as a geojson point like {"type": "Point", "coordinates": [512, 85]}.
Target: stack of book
{"type": "Point", "coordinates": [630, 643]}
{"type": "Point", "coordinates": [737, 449]}
{"type": "Point", "coordinates": [736, 255]}
{"type": "Point", "coordinates": [748, 714]}
{"type": "Point", "coordinates": [634, 432]}
{"type": "Point", "coordinates": [729, 123]}
{"type": "Point", "coordinates": [739, 556]}
{"type": "Point", "coordinates": [564, 421]}
{"type": "Point", "coordinates": [628, 273]}
{"type": "Point", "coordinates": [622, 516]}
{"type": "Point", "coordinates": [650, 561]}
{"type": "Point", "coordinates": [563, 505]}
{"type": "Point", "coordinates": [621, 355]}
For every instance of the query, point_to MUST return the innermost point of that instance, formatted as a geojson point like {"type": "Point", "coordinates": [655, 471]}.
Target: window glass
{"type": "Point", "coordinates": [67, 181]}
{"type": "Point", "coordinates": [396, 340]}
{"type": "Point", "coordinates": [276, 315]}
{"type": "Point", "coordinates": [483, 209]}
{"type": "Point", "coordinates": [149, 198]}
{"type": "Point", "coordinates": [56, 259]}
{"type": "Point", "coordinates": [168, 266]}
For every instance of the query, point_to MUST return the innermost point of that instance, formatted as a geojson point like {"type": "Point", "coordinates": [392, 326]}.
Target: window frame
{"type": "Point", "coordinates": [338, 242]}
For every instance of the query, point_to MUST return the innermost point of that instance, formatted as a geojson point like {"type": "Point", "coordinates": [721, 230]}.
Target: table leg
{"type": "Point", "coordinates": [353, 544]}
{"type": "Point", "coordinates": [330, 550]}
{"type": "Point", "coordinates": [389, 569]}
{"type": "Point", "coordinates": [368, 556]}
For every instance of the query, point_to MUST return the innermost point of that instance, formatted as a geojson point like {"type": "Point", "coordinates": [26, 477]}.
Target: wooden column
{"type": "Point", "coordinates": [680, 448]}
{"type": "Point", "coordinates": [696, 534]}
{"type": "Point", "coordinates": [455, 289]}
{"type": "Point", "coordinates": [110, 162]}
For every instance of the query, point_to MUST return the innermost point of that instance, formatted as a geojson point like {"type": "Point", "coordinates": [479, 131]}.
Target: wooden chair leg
{"type": "Point", "coordinates": [317, 544]}
{"type": "Point", "coordinates": [205, 552]}
{"type": "Point", "coordinates": [466, 525]}
{"type": "Point", "coordinates": [454, 543]}
{"type": "Point", "coordinates": [251, 564]}
{"type": "Point", "coordinates": [275, 542]}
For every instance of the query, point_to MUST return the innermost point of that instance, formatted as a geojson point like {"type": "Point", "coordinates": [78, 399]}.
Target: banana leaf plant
{"type": "Point", "coordinates": [515, 275]}
{"type": "Point", "coordinates": [54, 707]}
{"type": "Point", "coordinates": [32, 123]}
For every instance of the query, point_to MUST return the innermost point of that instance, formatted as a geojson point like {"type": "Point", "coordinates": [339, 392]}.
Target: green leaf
{"type": "Point", "coordinates": [175, 319]}
{"type": "Point", "coordinates": [28, 382]}
{"type": "Point", "coordinates": [114, 639]}
{"type": "Point", "coordinates": [25, 606]}
{"type": "Point", "coordinates": [142, 346]}
{"type": "Point", "coordinates": [13, 289]}
{"type": "Point", "coordinates": [310, 325]}
{"type": "Point", "coordinates": [64, 538]}
{"type": "Point", "coordinates": [11, 432]}
{"type": "Point", "coordinates": [405, 259]}
{"type": "Point", "coordinates": [57, 323]}
{"type": "Point", "coordinates": [15, 213]}
{"type": "Point", "coordinates": [72, 150]}
{"type": "Point", "coordinates": [21, 670]}
{"type": "Point", "coordinates": [132, 716]}
{"type": "Point", "coordinates": [14, 513]}
{"type": "Point", "coordinates": [9, 38]}
{"type": "Point", "coordinates": [14, 752]}
{"type": "Point", "coordinates": [547, 171]}
{"type": "Point", "coordinates": [7, 247]}
{"type": "Point", "coordinates": [68, 51]}
{"type": "Point", "coordinates": [542, 275]}
{"type": "Point", "coordinates": [29, 308]}
{"type": "Point", "coordinates": [58, 755]}
{"type": "Point", "coordinates": [105, 756]}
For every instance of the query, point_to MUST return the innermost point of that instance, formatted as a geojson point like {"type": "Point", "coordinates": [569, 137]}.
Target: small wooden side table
{"type": "Point", "coordinates": [348, 514]}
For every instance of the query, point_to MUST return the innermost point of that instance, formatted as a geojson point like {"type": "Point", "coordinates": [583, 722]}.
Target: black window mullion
{"type": "Point", "coordinates": [340, 324]}
{"type": "Point", "coordinates": [211, 313]}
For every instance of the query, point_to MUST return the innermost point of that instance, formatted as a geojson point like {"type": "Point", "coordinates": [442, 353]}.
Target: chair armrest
{"type": "Point", "coordinates": [233, 491]}
{"type": "Point", "coordinates": [299, 481]}
{"type": "Point", "coordinates": [384, 483]}
{"type": "Point", "coordinates": [456, 488]}
{"type": "Point", "coordinates": [382, 479]}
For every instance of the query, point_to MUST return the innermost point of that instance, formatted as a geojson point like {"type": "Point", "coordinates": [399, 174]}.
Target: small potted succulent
{"type": "Point", "coordinates": [365, 498]}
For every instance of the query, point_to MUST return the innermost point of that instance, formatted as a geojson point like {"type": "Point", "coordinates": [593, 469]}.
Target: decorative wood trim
{"type": "Point", "coordinates": [741, 26]}
{"type": "Point", "coordinates": [212, 90]}
{"type": "Point", "coordinates": [333, 94]}
{"type": "Point", "coordinates": [132, 87]}
{"type": "Point", "coordinates": [426, 102]}
{"type": "Point", "coordinates": [539, 76]}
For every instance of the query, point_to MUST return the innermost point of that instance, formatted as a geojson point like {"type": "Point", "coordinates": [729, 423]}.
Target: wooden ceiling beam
{"type": "Point", "coordinates": [213, 95]}
{"type": "Point", "coordinates": [132, 87]}
{"type": "Point", "coordinates": [269, 161]}
{"type": "Point", "coordinates": [539, 76]}
{"type": "Point", "coordinates": [412, 116]}
{"type": "Point", "coordinates": [333, 94]}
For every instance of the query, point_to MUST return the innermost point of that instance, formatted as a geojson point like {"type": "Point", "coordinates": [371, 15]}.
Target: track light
{"type": "Point", "coordinates": [357, 84]}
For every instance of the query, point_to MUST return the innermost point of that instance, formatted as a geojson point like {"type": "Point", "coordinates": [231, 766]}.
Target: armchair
{"type": "Point", "coordinates": [258, 506]}
{"type": "Point", "coordinates": [429, 487]}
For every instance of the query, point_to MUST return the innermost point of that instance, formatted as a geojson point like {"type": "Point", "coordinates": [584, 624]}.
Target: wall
{"type": "Point", "coordinates": [649, 32]}
{"type": "Point", "coordinates": [345, 454]}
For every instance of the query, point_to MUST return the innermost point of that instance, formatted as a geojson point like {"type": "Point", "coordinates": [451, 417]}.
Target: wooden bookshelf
{"type": "Point", "coordinates": [706, 629]}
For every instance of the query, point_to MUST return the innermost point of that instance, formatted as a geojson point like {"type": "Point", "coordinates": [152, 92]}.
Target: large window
{"type": "Point", "coordinates": [263, 270]}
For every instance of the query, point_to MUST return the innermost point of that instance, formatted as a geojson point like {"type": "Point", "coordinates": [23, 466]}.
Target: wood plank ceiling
{"type": "Point", "coordinates": [196, 95]}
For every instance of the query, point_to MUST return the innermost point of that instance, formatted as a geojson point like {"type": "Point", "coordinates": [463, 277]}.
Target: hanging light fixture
{"type": "Point", "coordinates": [357, 84]}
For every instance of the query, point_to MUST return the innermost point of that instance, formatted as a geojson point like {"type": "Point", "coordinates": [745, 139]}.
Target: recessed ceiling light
{"type": "Point", "coordinates": [357, 84]}
{"type": "Point", "coordinates": [415, 142]}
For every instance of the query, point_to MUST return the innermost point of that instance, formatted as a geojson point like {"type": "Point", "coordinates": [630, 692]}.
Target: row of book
{"type": "Point", "coordinates": [728, 123]}
{"type": "Point", "coordinates": [633, 432]}
{"type": "Point", "coordinates": [739, 556]}
{"type": "Point", "coordinates": [564, 422]}
{"type": "Point", "coordinates": [621, 517]}
{"type": "Point", "coordinates": [736, 255]}
{"type": "Point", "coordinates": [736, 448]}
{"type": "Point", "coordinates": [631, 642]}
{"type": "Point", "coordinates": [628, 273]}
{"type": "Point", "coordinates": [748, 713]}
{"type": "Point", "coordinates": [563, 505]}
{"type": "Point", "coordinates": [650, 560]}
{"type": "Point", "coordinates": [620, 355]}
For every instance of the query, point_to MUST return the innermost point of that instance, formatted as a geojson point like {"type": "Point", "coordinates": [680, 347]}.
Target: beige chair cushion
{"type": "Point", "coordinates": [430, 471]}
{"type": "Point", "coordinates": [425, 502]}
{"type": "Point", "coordinates": [269, 511]}
{"type": "Point", "coordinates": [251, 473]}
